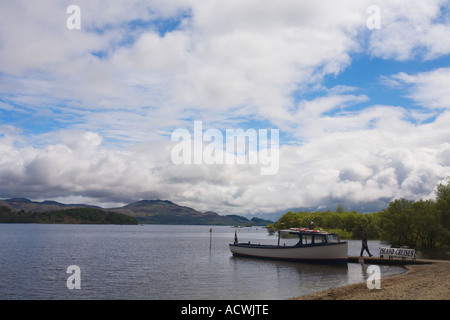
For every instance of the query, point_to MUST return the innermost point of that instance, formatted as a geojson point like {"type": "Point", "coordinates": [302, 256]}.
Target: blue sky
{"type": "Point", "coordinates": [367, 73]}
{"type": "Point", "coordinates": [87, 115]}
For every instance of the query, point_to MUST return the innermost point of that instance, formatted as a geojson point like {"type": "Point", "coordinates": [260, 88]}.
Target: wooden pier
{"type": "Point", "coordinates": [386, 261]}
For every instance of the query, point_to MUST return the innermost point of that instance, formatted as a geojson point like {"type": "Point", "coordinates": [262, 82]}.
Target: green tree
{"type": "Point", "coordinates": [350, 225]}
{"type": "Point", "coordinates": [396, 222]}
{"type": "Point", "coordinates": [340, 208]}
{"type": "Point", "coordinates": [414, 224]}
{"type": "Point", "coordinates": [427, 226]}
{"type": "Point", "coordinates": [443, 202]}
{"type": "Point", "coordinates": [289, 220]}
{"type": "Point", "coordinates": [365, 223]}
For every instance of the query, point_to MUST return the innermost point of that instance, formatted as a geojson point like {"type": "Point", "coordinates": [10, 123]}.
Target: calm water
{"type": "Point", "coordinates": [156, 262]}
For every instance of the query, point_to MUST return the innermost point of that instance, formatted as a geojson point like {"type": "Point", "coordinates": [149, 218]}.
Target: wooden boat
{"type": "Point", "coordinates": [312, 246]}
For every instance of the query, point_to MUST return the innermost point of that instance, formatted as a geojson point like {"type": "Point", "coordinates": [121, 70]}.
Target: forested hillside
{"type": "Point", "coordinates": [75, 215]}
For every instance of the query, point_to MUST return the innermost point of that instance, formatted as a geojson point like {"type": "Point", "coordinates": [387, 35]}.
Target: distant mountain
{"type": "Point", "coordinates": [19, 204]}
{"type": "Point", "coordinates": [65, 216]}
{"type": "Point", "coordinates": [167, 212]}
{"type": "Point", "coordinates": [145, 211]}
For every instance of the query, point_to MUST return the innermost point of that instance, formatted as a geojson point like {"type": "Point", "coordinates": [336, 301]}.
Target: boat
{"type": "Point", "coordinates": [316, 246]}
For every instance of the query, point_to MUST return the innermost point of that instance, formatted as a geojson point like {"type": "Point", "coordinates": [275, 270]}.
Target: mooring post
{"type": "Point", "coordinates": [210, 238]}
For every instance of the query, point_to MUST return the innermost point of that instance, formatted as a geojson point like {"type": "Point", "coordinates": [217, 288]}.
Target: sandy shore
{"type": "Point", "coordinates": [420, 282]}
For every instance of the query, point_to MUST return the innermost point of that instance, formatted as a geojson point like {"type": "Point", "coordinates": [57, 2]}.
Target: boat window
{"type": "Point", "coordinates": [288, 240]}
{"type": "Point", "coordinates": [333, 238]}
{"type": "Point", "coordinates": [306, 239]}
{"type": "Point", "coordinates": [319, 239]}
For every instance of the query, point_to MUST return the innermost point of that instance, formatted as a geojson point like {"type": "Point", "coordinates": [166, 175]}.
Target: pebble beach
{"type": "Point", "coordinates": [421, 282]}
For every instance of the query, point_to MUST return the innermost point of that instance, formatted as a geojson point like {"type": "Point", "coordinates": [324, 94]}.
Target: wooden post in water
{"type": "Point", "coordinates": [210, 237]}
{"type": "Point", "coordinates": [278, 237]}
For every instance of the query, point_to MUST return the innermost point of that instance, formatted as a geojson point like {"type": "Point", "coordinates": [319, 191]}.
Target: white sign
{"type": "Point", "coordinates": [397, 252]}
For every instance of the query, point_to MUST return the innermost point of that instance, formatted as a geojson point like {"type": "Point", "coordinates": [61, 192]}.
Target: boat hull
{"type": "Point", "coordinates": [324, 253]}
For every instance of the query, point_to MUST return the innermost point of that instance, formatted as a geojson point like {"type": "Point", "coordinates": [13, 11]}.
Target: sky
{"type": "Point", "coordinates": [357, 90]}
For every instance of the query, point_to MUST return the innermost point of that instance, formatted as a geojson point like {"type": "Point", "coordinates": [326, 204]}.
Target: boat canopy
{"type": "Point", "coordinates": [308, 236]}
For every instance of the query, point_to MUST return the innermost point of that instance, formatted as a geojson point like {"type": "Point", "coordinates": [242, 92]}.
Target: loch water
{"type": "Point", "coordinates": [157, 262]}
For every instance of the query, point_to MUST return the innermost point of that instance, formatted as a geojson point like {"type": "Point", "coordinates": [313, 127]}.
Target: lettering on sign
{"type": "Point", "coordinates": [397, 252]}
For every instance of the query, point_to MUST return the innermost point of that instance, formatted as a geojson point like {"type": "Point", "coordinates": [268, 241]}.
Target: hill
{"type": "Point", "coordinates": [65, 216]}
{"type": "Point", "coordinates": [22, 204]}
{"type": "Point", "coordinates": [167, 212]}
{"type": "Point", "coordinates": [145, 211]}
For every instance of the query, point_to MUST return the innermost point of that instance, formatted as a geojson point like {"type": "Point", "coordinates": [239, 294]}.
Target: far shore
{"type": "Point", "coordinates": [420, 282]}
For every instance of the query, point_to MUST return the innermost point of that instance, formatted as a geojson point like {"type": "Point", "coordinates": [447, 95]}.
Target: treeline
{"type": "Point", "coordinates": [349, 225]}
{"type": "Point", "coordinates": [423, 224]}
{"type": "Point", "coordinates": [74, 215]}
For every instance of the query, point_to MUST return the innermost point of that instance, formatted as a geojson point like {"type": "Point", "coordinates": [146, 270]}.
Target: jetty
{"type": "Point", "coordinates": [387, 261]}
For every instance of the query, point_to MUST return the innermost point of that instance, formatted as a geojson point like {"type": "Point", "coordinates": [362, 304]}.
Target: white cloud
{"type": "Point", "coordinates": [370, 165]}
{"type": "Point", "coordinates": [429, 89]}
{"type": "Point", "coordinates": [77, 165]}
{"type": "Point", "coordinates": [224, 56]}
{"type": "Point", "coordinates": [411, 29]}
{"type": "Point", "coordinates": [120, 78]}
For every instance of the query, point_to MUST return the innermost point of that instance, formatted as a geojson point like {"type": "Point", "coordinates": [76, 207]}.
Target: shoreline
{"type": "Point", "coordinates": [421, 282]}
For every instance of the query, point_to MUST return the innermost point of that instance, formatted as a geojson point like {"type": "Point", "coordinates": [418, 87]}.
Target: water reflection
{"type": "Point", "coordinates": [288, 278]}
{"type": "Point", "coordinates": [300, 267]}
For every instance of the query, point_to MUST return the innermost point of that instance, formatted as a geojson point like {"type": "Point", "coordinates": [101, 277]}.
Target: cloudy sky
{"type": "Point", "coordinates": [359, 91]}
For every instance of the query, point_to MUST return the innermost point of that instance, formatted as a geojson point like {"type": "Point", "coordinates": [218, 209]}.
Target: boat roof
{"type": "Point", "coordinates": [304, 230]}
